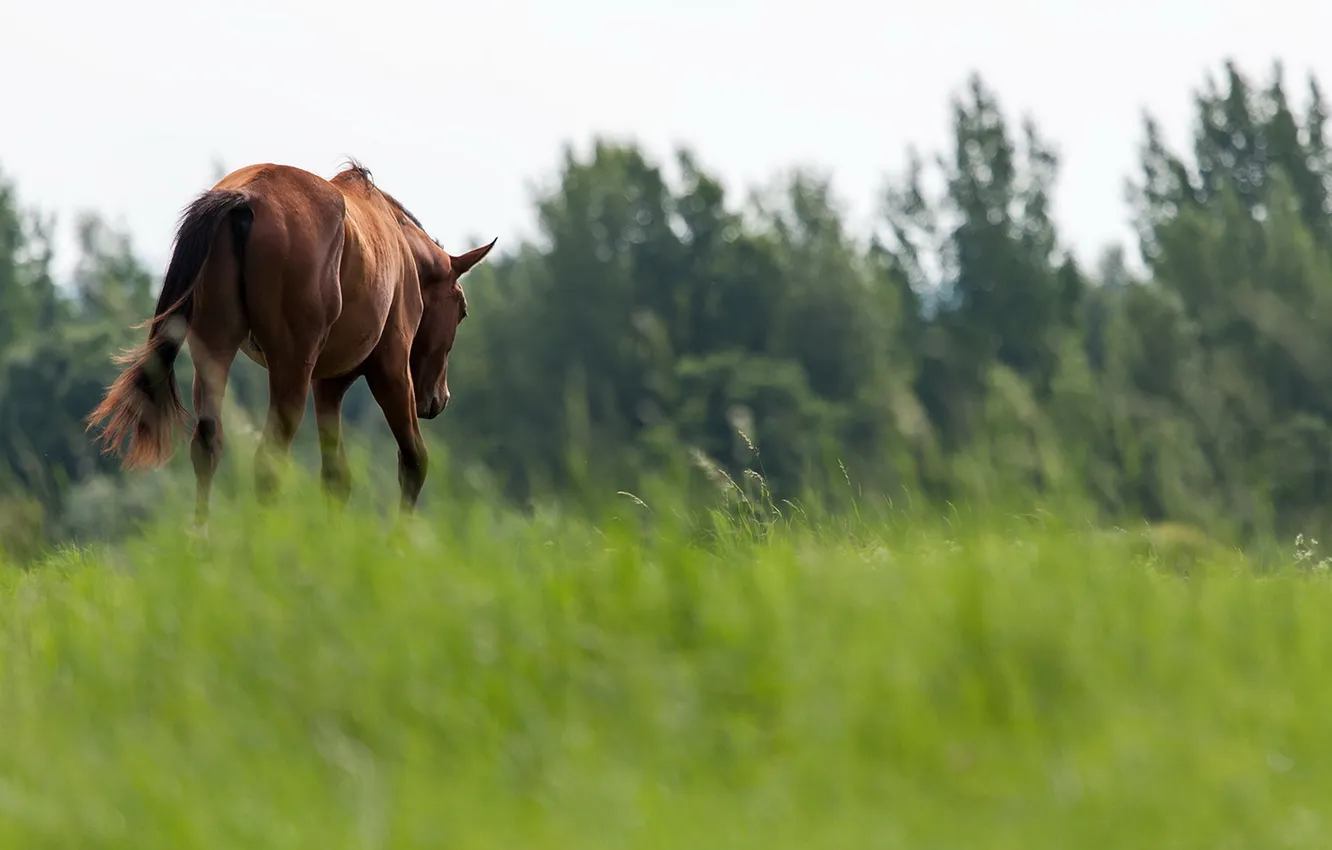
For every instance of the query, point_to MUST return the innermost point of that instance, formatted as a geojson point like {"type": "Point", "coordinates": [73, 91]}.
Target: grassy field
{"type": "Point", "coordinates": [480, 679]}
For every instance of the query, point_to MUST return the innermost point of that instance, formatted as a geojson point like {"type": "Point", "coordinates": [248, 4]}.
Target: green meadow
{"type": "Point", "coordinates": [662, 675]}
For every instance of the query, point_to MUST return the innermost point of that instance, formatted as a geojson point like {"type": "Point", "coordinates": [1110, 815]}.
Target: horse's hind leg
{"type": "Point", "coordinates": [298, 297]}
{"type": "Point", "coordinates": [215, 337]}
{"type": "Point", "coordinates": [288, 389]}
{"type": "Point", "coordinates": [212, 364]}
{"type": "Point", "coordinates": [328, 396]}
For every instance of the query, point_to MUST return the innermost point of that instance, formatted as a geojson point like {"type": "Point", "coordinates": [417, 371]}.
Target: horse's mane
{"type": "Point", "coordinates": [356, 169]}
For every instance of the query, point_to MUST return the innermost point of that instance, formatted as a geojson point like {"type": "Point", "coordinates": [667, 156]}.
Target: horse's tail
{"type": "Point", "coordinates": [143, 406]}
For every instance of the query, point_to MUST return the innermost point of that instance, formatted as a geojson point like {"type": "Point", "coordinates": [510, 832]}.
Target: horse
{"type": "Point", "coordinates": [319, 281]}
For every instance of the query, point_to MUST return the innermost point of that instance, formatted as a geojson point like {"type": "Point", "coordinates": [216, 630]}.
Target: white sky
{"type": "Point", "coordinates": [124, 106]}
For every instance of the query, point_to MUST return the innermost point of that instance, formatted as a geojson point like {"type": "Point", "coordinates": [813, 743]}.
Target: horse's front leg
{"type": "Point", "coordinates": [391, 385]}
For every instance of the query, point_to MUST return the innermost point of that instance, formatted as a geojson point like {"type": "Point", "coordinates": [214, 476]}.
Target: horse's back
{"type": "Point", "coordinates": [298, 196]}
{"type": "Point", "coordinates": [298, 215]}
{"type": "Point", "coordinates": [292, 251]}
{"type": "Point", "coordinates": [325, 260]}
{"type": "Point", "coordinates": [300, 205]}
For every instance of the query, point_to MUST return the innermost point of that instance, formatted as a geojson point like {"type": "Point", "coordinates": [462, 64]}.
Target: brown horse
{"type": "Point", "coordinates": [320, 282]}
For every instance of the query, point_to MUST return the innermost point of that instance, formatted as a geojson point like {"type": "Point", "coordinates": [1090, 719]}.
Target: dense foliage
{"type": "Point", "coordinates": [957, 351]}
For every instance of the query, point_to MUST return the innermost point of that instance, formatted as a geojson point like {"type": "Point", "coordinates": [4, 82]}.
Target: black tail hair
{"type": "Point", "coordinates": [143, 405]}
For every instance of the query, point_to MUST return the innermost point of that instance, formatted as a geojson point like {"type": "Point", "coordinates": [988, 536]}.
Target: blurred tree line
{"type": "Point", "coordinates": [959, 350]}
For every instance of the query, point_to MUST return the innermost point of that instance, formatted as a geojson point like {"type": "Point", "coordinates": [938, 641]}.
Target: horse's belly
{"type": "Point", "coordinates": [338, 359]}
{"type": "Point", "coordinates": [351, 339]}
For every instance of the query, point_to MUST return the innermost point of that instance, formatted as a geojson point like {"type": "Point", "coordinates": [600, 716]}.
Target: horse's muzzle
{"type": "Point", "coordinates": [432, 408]}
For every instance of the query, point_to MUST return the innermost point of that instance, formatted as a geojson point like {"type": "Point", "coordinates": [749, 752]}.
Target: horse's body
{"type": "Point", "coordinates": [321, 282]}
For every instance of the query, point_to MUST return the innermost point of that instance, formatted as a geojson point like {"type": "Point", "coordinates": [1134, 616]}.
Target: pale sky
{"type": "Point", "coordinates": [124, 106]}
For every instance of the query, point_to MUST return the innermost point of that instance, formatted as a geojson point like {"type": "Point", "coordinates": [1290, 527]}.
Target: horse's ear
{"type": "Point", "coordinates": [464, 262]}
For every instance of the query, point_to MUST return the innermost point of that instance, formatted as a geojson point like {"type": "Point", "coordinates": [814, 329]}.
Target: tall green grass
{"type": "Point", "coordinates": [477, 678]}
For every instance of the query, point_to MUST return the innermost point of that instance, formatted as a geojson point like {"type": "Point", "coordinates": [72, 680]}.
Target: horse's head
{"type": "Point", "coordinates": [444, 306]}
